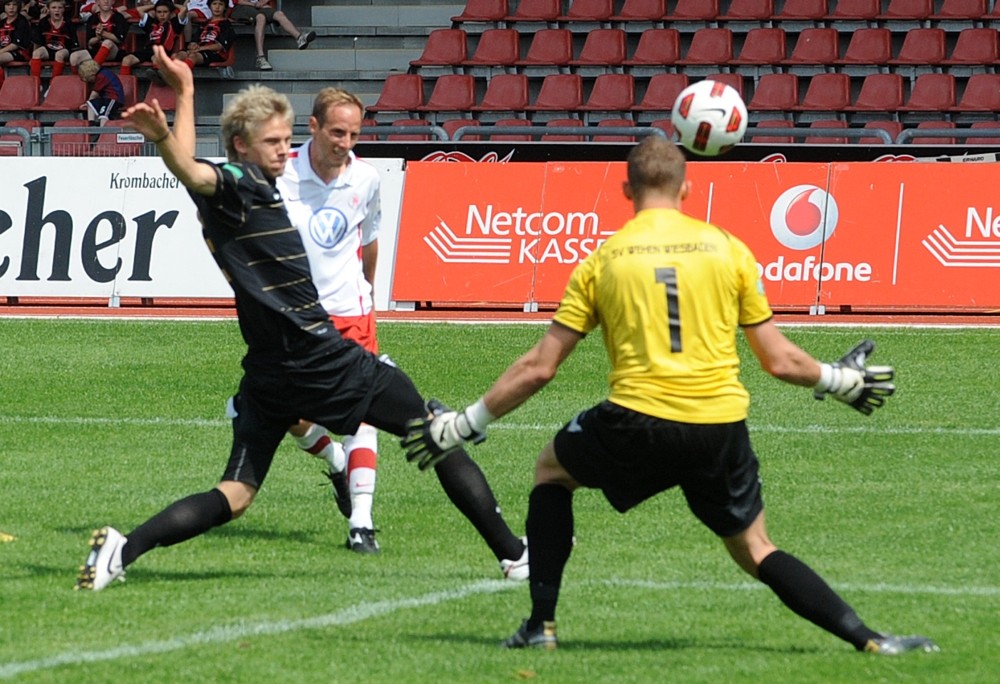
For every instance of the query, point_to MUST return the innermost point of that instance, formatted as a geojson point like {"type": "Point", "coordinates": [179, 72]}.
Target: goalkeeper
{"type": "Point", "coordinates": [668, 292]}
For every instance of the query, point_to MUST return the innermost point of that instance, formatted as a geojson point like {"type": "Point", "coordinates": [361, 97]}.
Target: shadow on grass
{"type": "Point", "coordinates": [233, 530]}
{"type": "Point", "coordinates": [625, 646]}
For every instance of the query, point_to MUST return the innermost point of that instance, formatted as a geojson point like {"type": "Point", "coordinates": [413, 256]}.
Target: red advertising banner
{"type": "Point", "coordinates": [860, 236]}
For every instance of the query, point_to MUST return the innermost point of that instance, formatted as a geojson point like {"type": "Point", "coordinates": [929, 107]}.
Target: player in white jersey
{"type": "Point", "coordinates": [333, 200]}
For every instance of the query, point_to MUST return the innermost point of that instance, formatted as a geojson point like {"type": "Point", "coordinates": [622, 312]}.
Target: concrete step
{"type": "Point", "coordinates": [438, 16]}
{"type": "Point", "coordinates": [342, 60]}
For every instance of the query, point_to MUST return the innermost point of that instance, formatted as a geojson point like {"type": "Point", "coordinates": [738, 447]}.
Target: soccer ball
{"type": "Point", "coordinates": [709, 117]}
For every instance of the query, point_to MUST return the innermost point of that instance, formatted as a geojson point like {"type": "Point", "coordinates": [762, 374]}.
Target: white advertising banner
{"type": "Point", "coordinates": [122, 227]}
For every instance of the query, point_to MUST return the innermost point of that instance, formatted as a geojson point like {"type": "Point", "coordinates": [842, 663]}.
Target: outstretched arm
{"type": "Point", "coordinates": [177, 147]}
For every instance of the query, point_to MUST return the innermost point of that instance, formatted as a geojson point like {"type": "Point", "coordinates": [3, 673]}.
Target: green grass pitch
{"type": "Point", "coordinates": [106, 422]}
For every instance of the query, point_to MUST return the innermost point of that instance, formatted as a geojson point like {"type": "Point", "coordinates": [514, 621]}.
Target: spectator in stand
{"type": "Point", "coordinates": [106, 31]}
{"type": "Point", "coordinates": [106, 92]}
{"type": "Point", "coordinates": [214, 42]}
{"type": "Point", "coordinates": [55, 39]}
{"type": "Point", "coordinates": [260, 13]}
{"type": "Point", "coordinates": [198, 12]}
{"type": "Point", "coordinates": [120, 6]}
{"type": "Point", "coordinates": [15, 35]}
{"type": "Point", "coordinates": [33, 10]}
{"type": "Point", "coordinates": [161, 27]}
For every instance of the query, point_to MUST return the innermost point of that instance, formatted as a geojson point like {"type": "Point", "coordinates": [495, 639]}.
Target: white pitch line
{"type": "Point", "coordinates": [522, 427]}
{"type": "Point", "coordinates": [228, 633]}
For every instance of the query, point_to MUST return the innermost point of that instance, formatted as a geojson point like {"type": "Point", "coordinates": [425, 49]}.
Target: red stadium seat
{"type": "Point", "coordinates": [451, 93]}
{"type": "Point", "coordinates": [694, 10]}
{"type": "Point", "coordinates": [70, 144]}
{"type": "Point", "coordinates": [921, 47]}
{"type": "Point", "coordinates": [451, 126]}
{"type": "Point", "coordinates": [444, 47]}
{"type": "Point", "coordinates": [535, 10]}
{"type": "Point", "coordinates": [775, 93]}
{"type": "Point", "coordinates": [934, 125]}
{"type": "Point", "coordinates": [163, 94]}
{"type": "Point", "coordinates": [400, 93]}
{"type": "Point", "coordinates": [21, 93]}
{"type": "Point", "coordinates": [864, 10]}
{"type": "Point", "coordinates": [709, 46]}
{"type": "Point", "coordinates": [811, 10]}
{"type": "Point", "coordinates": [588, 11]}
{"type": "Point", "coordinates": [869, 46]}
{"type": "Point", "coordinates": [815, 46]}
{"type": "Point", "coordinates": [975, 46]}
{"type": "Point", "coordinates": [907, 9]}
{"type": "Point", "coordinates": [559, 92]}
{"type": "Point", "coordinates": [562, 137]}
{"type": "Point", "coordinates": [931, 93]}
{"type": "Point", "coordinates": [505, 93]}
{"type": "Point", "coordinates": [891, 127]}
{"type": "Point", "coordinates": [506, 123]}
{"type": "Point", "coordinates": [549, 49]}
{"type": "Point", "coordinates": [613, 137]}
{"type": "Point", "coordinates": [962, 10]}
{"type": "Point", "coordinates": [66, 93]}
{"type": "Point", "coordinates": [641, 11]}
{"type": "Point", "coordinates": [496, 48]}
{"type": "Point", "coordinates": [12, 144]}
{"type": "Point", "coordinates": [763, 46]}
{"type": "Point", "coordinates": [748, 10]}
{"type": "Point", "coordinates": [822, 139]}
{"type": "Point", "coordinates": [482, 11]}
{"type": "Point", "coordinates": [611, 92]}
{"type": "Point", "coordinates": [879, 93]}
{"type": "Point", "coordinates": [981, 94]}
{"type": "Point", "coordinates": [772, 139]}
{"type": "Point", "coordinates": [657, 47]}
{"type": "Point", "coordinates": [603, 48]}
{"type": "Point", "coordinates": [734, 80]}
{"type": "Point", "coordinates": [827, 92]}
{"type": "Point", "coordinates": [661, 92]}
{"type": "Point", "coordinates": [990, 125]}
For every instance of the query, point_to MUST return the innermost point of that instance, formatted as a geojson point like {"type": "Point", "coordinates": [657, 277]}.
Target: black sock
{"type": "Point", "coordinates": [550, 541]}
{"type": "Point", "coordinates": [180, 521]}
{"type": "Point", "coordinates": [805, 592]}
{"type": "Point", "coordinates": [466, 486]}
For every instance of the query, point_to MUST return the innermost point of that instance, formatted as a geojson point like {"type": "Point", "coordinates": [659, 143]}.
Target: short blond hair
{"type": "Point", "coordinates": [87, 69]}
{"type": "Point", "coordinates": [251, 107]}
{"type": "Point", "coordinates": [331, 96]}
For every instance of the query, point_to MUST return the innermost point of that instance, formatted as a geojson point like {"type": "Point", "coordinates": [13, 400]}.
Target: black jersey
{"type": "Point", "coordinates": [261, 254]}
{"type": "Point", "coordinates": [166, 34]}
{"type": "Point", "coordinates": [55, 38]}
{"type": "Point", "coordinates": [18, 32]}
{"type": "Point", "coordinates": [115, 24]}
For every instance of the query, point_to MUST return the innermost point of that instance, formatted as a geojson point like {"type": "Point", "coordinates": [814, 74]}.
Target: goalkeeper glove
{"type": "Point", "coordinates": [430, 440]}
{"type": "Point", "coordinates": [849, 381]}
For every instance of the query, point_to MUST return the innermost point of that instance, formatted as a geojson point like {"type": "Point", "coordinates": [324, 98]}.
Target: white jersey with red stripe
{"type": "Point", "coordinates": [335, 220]}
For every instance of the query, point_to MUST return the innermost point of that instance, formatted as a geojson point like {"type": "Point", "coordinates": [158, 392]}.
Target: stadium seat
{"type": "Point", "coordinates": [411, 137]}
{"type": "Point", "coordinates": [107, 144]}
{"type": "Point", "coordinates": [921, 47]}
{"type": "Point", "coordinates": [709, 46]}
{"type": "Point", "coordinates": [826, 92]}
{"type": "Point", "coordinates": [70, 144]}
{"type": "Point", "coordinates": [509, 137]}
{"type": "Point", "coordinates": [559, 92]}
{"type": "Point", "coordinates": [482, 11]}
{"type": "Point", "coordinates": [815, 47]}
{"type": "Point", "coordinates": [611, 93]}
{"type": "Point", "coordinates": [931, 93]}
{"type": "Point", "coordinates": [762, 46]}
{"type": "Point", "coordinates": [907, 10]}
{"type": "Point", "coordinates": [550, 49]}
{"type": "Point", "coordinates": [748, 10]}
{"type": "Point", "coordinates": [803, 10]}
{"type": "Point", "coordinates": [665, 125]}
{"type": "Point", "coordinates": [444, 48]}
{"type": "Point", "coordinates": [450, 127]}
{"type": "Point", "coordinates": [400, 93]}
{"type": "Point", "coordinates": [694, 10]}
{"type": "Point", "coordinates": [21, 93]}
{"type": "Point", "coordinates": [772, 139]}
{"type": "Point", "coordinates": [588, 11]}
{"type": "Point", "coordinates": [11, 144]}
{"type": "Point", "coordinates": [961, 10]}
{"type": "Point", "coordinates": [661, 92]}
{"type": "Point", "coordinates": [614, 137]}
{"type": "Point", "coordinates": [855, 10]}
{"type": "Point", "coordinates": [497, 47]}
{"type": "Point", "coordinates": [981, 94]}
{"type": "Point", "coordinates": [603, 47]}
{"type": "Point", "coordinates": [990, 125]}
{"type": "Point", "coordinates": [868, 46]}
{"type": "Point", "coordinates": [561, 137]}
{"type": "Point", "coordinates": [504, 93]}
{"type": "Point", "coordinates": [535, 11]}
{"type": "Point", "coordinates": [65, 93]}
{"type": "Point", "coordinates": [368, 137]}
{"type": "Point", "coordinates": [164, 94]}
{"type": "Point", "coordinates": [935, 125]}
{"type": "Point", "coordinates": [879, 93]}
{"type": "Point", "coordinates": [775, 93]}
{"type": "Point", "coordinates": [891, 127]}
{"type": "Point", "coordinates": [130, 85]}
{"type": "Point", "coordinates": [641, 11]}
{"type": "Point", "coordinates": [451, 93]}
{"type": "Point", "coordinates": [657, 48]}
{"type": "Point", "coordinates": [822, 139]}
{"type": "Point", "coordinates": [975, 46]}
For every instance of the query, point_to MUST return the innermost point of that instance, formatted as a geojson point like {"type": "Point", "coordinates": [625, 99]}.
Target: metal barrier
{"type": "Point", "coordinates": [908, 134]}
{"type": "Point", "coordinates": [539, 131]}
{"type": "Point", "coordinates": [20, 148]}
{"type": "Point", "coordinates": [832, 133]}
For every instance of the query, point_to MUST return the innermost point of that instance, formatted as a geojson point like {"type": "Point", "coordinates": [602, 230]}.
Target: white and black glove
{"type": "Point", "coordinates": [849, 381]}
{"type": "Point", "coordinates": [430, 440]}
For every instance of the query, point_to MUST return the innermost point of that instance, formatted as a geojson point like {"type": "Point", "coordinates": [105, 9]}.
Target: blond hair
{"type": "Point", "coordinates": [328, 97]}
{"type": "Point", "coordinates": [656, 165]}
{"type": "Point", "coordinates": [250, 108]}
{"type": "Point", "coordinates": [88, 69]}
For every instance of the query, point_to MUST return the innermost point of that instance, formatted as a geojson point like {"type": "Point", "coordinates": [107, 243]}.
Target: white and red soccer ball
{"type": "Point", "coordinates": [709, 117]}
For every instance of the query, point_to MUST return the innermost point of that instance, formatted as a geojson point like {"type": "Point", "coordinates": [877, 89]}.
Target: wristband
{"type": "Point", "coordinates": [478, 416]}
{"type": "Point", "coordinates": [825, 377]}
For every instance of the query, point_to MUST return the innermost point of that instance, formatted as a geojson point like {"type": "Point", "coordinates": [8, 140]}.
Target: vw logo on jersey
{"type": "Point", "coordinates": [804, 216]}
{"type": "Point", "coordinates": [327, 227]}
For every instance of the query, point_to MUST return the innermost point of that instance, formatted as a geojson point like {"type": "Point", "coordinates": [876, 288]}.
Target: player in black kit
{"type": "Point", "coordinates": [297, 365]}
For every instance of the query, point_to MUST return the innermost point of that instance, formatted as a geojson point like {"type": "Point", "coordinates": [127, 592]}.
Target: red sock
{"type": "Point", "coordinates": [126, 70]}
{"type": "Point", "coordinates": [57, 68]}
{"type": "Point", "coordinates": [36, 67]}
{"type": "Point", "coordinates": [102, 54]}
{"type": "Point", "coordinates": [189, 63]}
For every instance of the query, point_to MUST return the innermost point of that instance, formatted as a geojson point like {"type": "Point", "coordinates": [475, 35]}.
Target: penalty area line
{"type": "Point", "coordinates": [242, 630]}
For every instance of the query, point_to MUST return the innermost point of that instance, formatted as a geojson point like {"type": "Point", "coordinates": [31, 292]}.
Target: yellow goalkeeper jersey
{"type": "Point", "coordinates": [668, 292]}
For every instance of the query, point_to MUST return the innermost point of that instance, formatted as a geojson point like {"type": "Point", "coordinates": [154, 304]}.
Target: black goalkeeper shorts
{"type": "Point", "coordinates": [632, 456]}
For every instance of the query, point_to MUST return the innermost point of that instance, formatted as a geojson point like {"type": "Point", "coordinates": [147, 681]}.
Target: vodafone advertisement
{"type": "Point", "coordinates": [860, 235]}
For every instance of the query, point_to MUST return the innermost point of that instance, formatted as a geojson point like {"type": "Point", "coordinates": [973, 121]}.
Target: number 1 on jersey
{"type": "Point", "coordinates": [668, 276]}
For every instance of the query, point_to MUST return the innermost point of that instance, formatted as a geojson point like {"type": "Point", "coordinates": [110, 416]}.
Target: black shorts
{"type": "Point", "coordinates": [631, 457]}
{"type": "Point", "coordinates": [330, 395]}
